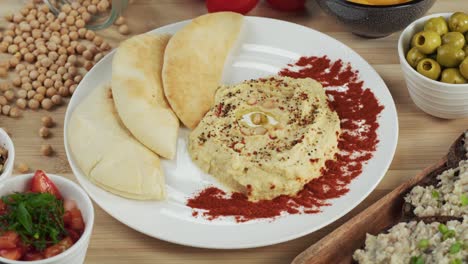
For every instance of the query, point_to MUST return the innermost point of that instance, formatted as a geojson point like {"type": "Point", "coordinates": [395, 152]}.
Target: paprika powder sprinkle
{"type": "Point", "coordinates": [358, 110]}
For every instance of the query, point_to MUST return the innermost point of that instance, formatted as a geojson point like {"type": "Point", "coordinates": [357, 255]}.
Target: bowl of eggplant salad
{"type": "Point", "coordinates": [434, 226]}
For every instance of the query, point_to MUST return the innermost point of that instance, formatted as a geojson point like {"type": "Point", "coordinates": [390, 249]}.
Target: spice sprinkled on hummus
{"type": "Point", "coordinates": [261, 135]}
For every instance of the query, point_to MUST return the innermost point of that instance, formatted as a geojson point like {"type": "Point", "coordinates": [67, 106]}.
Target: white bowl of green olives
{"type": "Point", "coordinates": [433, 53]}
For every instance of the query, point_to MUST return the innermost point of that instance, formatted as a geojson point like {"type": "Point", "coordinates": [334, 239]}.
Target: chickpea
{"type": "Point", "coordinates": [56, 77]}
{"type": "Point", "coordinates": [44, 132]}
{"type": "Point", "coordinates": [90, 35]}
{"type": "Point", "coordinates": [124, 30]}
{"type": "Point", "coordinates": [80, 23]}
{"type": "Point", "coordinates": [48, 83]}
{"type": "Point", "coordinates": [21, 93]}
{"type": "Point", "coordinates": [3, 100]}
{"type": "Point", "coordinates": [39, 97]}
{"type": "Point", "coordinates": [47, 104]}
{"type": "Point", "coordinates": [88, 65]}
{"type": "Point", "coordinates": [9, 95]}
{"type": "Point", "coordinates": [74, 35]}
{"type": "Point", "coordinates": [22, 168]}
{"type": "Point", "coordinates": [14, 112]}
{"type": "Point", "coordinates": [58, 84]}
{"type": "Point", "coordinates": [3, 47]}
{"type": "Point", "coordinates": [86, 16]}
{"type": "Point", "coordinates": [33, 75]}
{"type": "Point", "coordinates": [53, 56]}
{"type": "Point", "coordinates": [92, 9]}
{"type": "Point", "coordinates": [88, 55]}
{"type": "Point", "coordinates": [63, 91]}
{"type": "Point", "coordinates": [78, 78]}
{"type": "Point", "coordinates": [51, 92]}
{"type": "Point", "coordinates": [70, 20]}
{"type": "Point", "coordinates": [21, 103]}
{"type": "Point", "coordinates": [36, 84]}
{"type": "Point", "coordinates": [102, 6]}
{"type": "Point", "coordinates": [31, 93]}
{"type": "Point", "coordinates": [33, 104]}
{"type": "Point", "coordinates": [98, 57]}
{"type": "Point", "coordinates": [72, 59]}
{"type": "Point", "coordinates": [6, 109]}
{"type": "Point", "coordinates": [56, 99]}
{"type": "Point", "coordinates": [61, 16]}
{"type": "Point", "coordinates": [26, 86]}
{"type": "Point", "coordinates": [120, 21]}
{"type": "Point", "coordinates": [12, 49]}
{"type": "Point", "coordinates": [72, 88]}
{"type": "Point", "coordinates": [74, 13]}
{"type": "Point", "coordinates": [80, 49]}
{"type": "Point", "coordinates": [16, 81]}
{"type": "Point", "coordinates": [41, 90]}
{"type": "Point", "coordinates": [14, 61]}
{"type": "Point", "coordinates": [47, 121]}
{"type": "Point", "coordinates": [47, 150]}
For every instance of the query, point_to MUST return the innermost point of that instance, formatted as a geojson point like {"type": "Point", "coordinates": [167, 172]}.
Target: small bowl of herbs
{"type": "Point", "coordinates": [7, 155]}
{"type": "Point", "coordinates": [44, 219]}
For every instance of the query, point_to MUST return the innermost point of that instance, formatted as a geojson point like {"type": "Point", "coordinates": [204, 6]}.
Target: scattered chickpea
{"type": "Point", "coordinates": [47, 121]}
{"type": "Point", "coordinates": [9, 95]}
{"type": "Point", "coordinates": [21, 103]}
{"type": "Point", "coordinates": [6, 109]}
{"type": "Point", "coordinates": [124, 30]}
{"type": "Point", "coordinates": [63, 91]}
{"type": "Point", "coordinates": [90, 35]}
{"type": "Point", "coordinates": [33, 104]}
{"type": "Point", "coordinates": [21, 93]}
{"type": "Point", "coordinates": [22, 167]}
{"type": "Point", "coordinates": [56, 99]}
{"type": "Point", "coordinates": [47, 150]}
{"type": "Point", "coordinates": [120, 21]}
{"type": "Point", "coordinates": [39, 97]}
{"type": "Point", "coordinates": [14, 112]}
{"type": "Point", "coordinates": [44, 132]}
{"type": "Point", "coordinates": [47, 103]}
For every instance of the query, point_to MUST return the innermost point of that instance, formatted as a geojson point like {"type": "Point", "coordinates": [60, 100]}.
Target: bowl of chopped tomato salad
{"type": "Point", "coordinates": [44, 219]}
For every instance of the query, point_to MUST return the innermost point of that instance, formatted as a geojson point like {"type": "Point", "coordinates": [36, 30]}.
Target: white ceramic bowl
{"type": "Point", "coordinates": [439, 99]}
{"type": "Point", "coordinates": [6, 142]}
{"type": "Point", "coordinates": [69, 190]}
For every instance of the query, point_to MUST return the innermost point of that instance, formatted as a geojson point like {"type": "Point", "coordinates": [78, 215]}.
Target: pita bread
{"type": "Point", "coordinates": [108, 154]}
{"type": "Point", "coordinates": [194, 62]}
{"type": "Point", "coordinates": [139, 96]}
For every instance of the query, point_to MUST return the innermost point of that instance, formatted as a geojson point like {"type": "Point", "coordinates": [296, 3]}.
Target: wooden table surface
{"type": "Point", "coordinates": [423, 139]}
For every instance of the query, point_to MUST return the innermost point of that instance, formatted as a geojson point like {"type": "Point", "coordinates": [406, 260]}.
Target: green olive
{"type": "Point", "coordinates": [464, 68]}
{"type": "Point", "coordinates": [450, 56]}
{"type": "Point", "coordinates": [458, 22]}
{"type": "Point", "coordinates": [426, 41]}
{"type": "Point", "coordinates": [429, 68]}
{"type": "Point", "coordinates": [455, 39]}
{"type": "Point", "coordinates": [437, 24]}
{"type": "Point", "coordinates": [465, 49]}
{"type": "Point", "coordinates": [452, 75]}
{"type": "Point", "coordinates": [414, 56]}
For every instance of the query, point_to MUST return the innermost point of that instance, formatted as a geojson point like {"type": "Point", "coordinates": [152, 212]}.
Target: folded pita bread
{"type": "Point", "coordinates": [139, 96]}
{"type": "Point", "coordinates": [194, 62]}
{"type": "Point", "coordinates": [109, 155]}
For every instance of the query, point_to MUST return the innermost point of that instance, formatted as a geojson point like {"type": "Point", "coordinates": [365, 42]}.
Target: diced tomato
{"type": "Point", "coordinates": [3, 207]}
{"type": "Point", "coordinates": [76, 222]}
{"type": "Point", "coordinates": [9, 240]}
{"type": "Point", "coordinates": [13, 254]}
{"type": "Point", "coordinates": [42, 184]}
{"type": "Point", "coordinates": [74, 235]}
{"type": "Point", "coordinates": [68, 204]}
{"type": "Point", "coordinates": [58, 248]}
{"type": "Point", "coordinates": [238, 6]}
{"type": "Point", "coordinates": [287, 5]}
{"type": "Point", "coordinates": [67, 218]}
{"type": "Point", "coordinates": [30, 256]}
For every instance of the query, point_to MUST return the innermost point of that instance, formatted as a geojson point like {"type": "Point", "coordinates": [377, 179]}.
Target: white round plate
{"type": "Point", "coordinates": [266, 46]}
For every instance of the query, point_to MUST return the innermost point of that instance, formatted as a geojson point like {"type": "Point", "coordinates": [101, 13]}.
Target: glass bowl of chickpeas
{"type": "Point", "coordinates": [433, 53]}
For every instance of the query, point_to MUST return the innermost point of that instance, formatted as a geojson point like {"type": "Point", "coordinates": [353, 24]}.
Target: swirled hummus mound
{"type": "Point", "coordinates": [267, 137]}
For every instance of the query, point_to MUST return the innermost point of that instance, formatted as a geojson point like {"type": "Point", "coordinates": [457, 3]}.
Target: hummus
{"type": "Point", "coordinates": [267, 137]}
